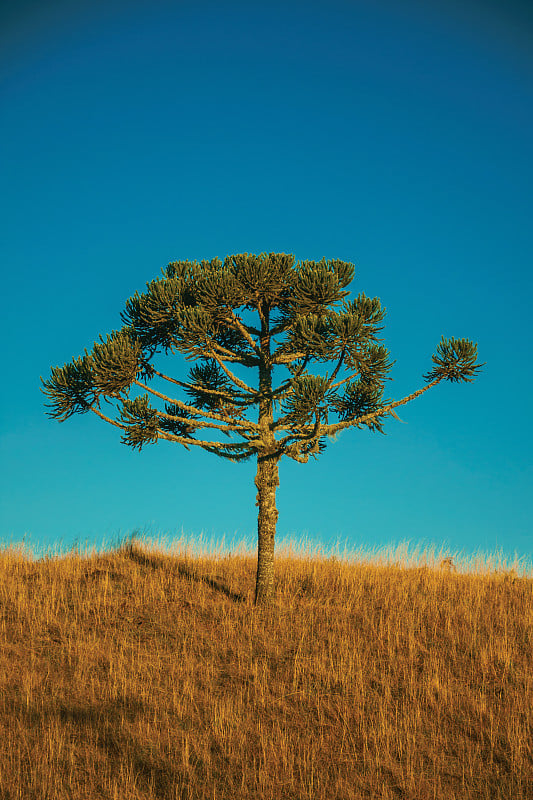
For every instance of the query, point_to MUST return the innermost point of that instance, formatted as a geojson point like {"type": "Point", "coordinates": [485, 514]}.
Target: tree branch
{"type": "Point", "coordinates": [192, 410]}
{"type": "Point", "coordinates": [331, 429]}
{"type": "Point", "coordinates": [231, 356]}
{"type": "Point", "coordinates": [230, 375]}
{"type": "Point", "coordinates": [222, 394]}
{"type": "Point", "coordinates": [181, 440]}
{"type": "Point", "coordinates": [243, 330]}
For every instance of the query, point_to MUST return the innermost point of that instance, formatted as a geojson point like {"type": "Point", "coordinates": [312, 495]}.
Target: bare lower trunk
{"type": "Point", "coordinates": [267, 482]}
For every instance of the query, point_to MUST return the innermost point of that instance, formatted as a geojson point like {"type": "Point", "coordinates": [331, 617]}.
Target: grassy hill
{"type": "Point", "coordinates": [135, 674]}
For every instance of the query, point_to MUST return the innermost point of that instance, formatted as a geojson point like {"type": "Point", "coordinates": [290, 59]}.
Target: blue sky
{"type": "Point", "coordinates": [396, 136]}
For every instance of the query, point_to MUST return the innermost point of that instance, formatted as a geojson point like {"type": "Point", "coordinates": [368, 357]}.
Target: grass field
{"type": "Point", "coordinates": [142, 673]}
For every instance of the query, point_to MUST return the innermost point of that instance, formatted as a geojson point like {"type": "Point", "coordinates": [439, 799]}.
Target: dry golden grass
{"type": "Point", "coordinates": [135, 674]}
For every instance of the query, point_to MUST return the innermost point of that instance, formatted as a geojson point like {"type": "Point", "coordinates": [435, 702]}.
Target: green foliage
{"type": "Point", "coordinates": [141, 422]}
{"type": "Point", "coordinates": [192, 309]}
{"type": "Point", "coordinates": [455, 361]}
{"type": "Point", "coordinates": [107, 371]}
{"type": "Point", "coordinates": [70, 389]}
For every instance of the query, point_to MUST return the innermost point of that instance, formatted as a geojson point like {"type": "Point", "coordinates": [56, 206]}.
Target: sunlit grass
{"type": "Point", "coordinates": [144, 672]}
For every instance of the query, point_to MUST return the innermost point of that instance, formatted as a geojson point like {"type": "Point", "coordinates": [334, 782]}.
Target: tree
{"type": "Point", "coordinates": [191, 309]}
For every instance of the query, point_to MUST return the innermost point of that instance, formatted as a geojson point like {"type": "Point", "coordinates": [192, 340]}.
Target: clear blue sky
{"type": "Point", "coordinates": [396, 136]}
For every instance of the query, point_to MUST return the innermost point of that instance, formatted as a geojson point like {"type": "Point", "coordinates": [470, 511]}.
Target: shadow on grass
{"type": "Point", "coordinates": [157, 562]}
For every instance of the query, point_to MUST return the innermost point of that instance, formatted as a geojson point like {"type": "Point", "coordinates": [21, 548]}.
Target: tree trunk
{"type": "Point", "coordinates": [266, 478]}
{"type": "Point", "coordinates": [267, 482]}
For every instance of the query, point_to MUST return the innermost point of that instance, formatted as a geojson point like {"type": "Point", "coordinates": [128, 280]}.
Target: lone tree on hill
{"type": "Point", "coordinates": [191, 308]}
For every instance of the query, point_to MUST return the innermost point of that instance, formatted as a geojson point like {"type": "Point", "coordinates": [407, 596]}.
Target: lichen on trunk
{"type": "Point", "coordinates": [267, 481]}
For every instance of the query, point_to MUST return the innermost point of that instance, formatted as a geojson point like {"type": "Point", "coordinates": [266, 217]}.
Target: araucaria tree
{"type": "Point", "coordinates": [192, 309]}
